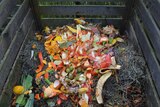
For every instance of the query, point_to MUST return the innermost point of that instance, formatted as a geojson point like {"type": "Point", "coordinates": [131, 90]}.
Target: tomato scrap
{"type": "Point", "coordinates": [37, 97]}
{"type": "Point", "coordinates": [59, 101]}
{"type": "Point", "coordinates": [63, 96]}
{"type": "Point", "coordinates": [46, 75]}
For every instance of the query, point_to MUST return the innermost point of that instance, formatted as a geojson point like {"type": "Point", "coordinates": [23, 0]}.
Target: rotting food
{"type": "Point", "coordinates": [77, 54]}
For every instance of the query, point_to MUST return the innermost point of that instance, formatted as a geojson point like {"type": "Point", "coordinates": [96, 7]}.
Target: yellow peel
{"type": "Point", "coordinates": [103, 72]}
{"type": "Point", "coordinates": [82, 90]}
{"type": "Point", "coordinates": [78, 21]}
{"type": "Point", "coordinates": [44, 61]}
{"type": "Point", "coordinates": [72, 29]}
{"type": "Point", "coordinates": [47, 30]}
{"type": "Point", "coordinates": [18, 89]}
{"type": "Point", "coordinates": [119, 39]}
{"type": "Point", "coordinates": [114, 41]}
{"type": "Point", "coordinates": [99, 87]}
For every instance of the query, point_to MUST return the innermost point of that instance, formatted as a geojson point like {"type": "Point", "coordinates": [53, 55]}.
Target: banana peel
{"type": "Point", "coordinates": [99, 87]}
{"type": "Point", "coordinates": [79, 21]}
{"type": "Point", "coordinates": [103, 72]}
{"type": "Point", "coordinates": [82, 90]}
{"type": "Point", "coordinates": [119, 39]}
{"type": "Point", "coordinates": [114, 67]}
{"type": "Point", "coordinates": [72, 29]}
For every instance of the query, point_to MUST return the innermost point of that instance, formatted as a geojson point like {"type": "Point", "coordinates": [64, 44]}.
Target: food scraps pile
{"type": "Point", "coordinates": [77, 56]}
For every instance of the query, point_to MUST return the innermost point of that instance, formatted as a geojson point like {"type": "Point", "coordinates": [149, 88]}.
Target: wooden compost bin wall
{"type": "Point", "coordinates": [60, 12]}
{"type": "Point", "coordinates": [144, 26]}
{"type": "Point", "coordinates": [16, 24]}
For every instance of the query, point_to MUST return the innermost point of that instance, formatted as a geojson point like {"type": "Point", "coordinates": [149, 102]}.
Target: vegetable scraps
{"type": "Point", "coordinates": [77, 55]}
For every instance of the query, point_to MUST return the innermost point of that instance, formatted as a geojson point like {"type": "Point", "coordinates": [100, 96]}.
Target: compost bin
{"type": "Point", "coordinates": [138, 20]}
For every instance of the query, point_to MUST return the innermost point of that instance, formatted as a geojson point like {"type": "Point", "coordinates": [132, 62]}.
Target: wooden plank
{"type": "Point", "coordinates": [83, 0]}
{"type": "Point", "coordinates": [81, 10]}
{"type": "Point", "coordinates": [132, 36]}
{"type": "Point", "coordinates": [154, 6]}
{"type": "Point", "coordinates": [148, 53]}
{"type": "Point", "coordinates": [150, 90]}
{"type": "Point", "coordinates": [6, 96]}
{"type": "Point", "coordinates": [151, 93]}
{"type": "Point", "coordinates": [10, 30]}
{"type": "Point", "coordinates": [54, 22]}
{"type": "Point", "coordinates": [150, 26]}
{"type": "Point", "coordinates": [115, 3]}
{"type": "Point", "coordinates": [87, 10]}
{"type": "Point", "coordinates": [6, 6]}
{"type": "Point", "coordinates": [129, 9]}
{"type": "Point", "coordinates": [13, 49]}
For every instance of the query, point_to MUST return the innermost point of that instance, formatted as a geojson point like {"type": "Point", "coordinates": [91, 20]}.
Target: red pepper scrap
{"type": "Point", "coordinates": [40, 67]}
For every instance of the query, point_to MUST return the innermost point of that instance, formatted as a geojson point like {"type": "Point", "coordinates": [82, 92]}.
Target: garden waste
{"type": "Point", "coordinates": [74, 58]}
